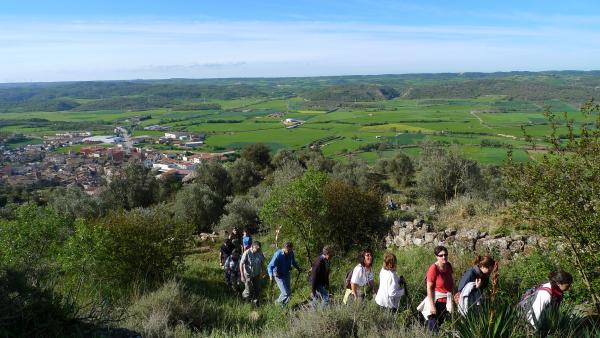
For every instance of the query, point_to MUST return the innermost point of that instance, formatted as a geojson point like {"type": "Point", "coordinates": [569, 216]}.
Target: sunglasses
{"type": "Point", "coordinates": [443, 255]}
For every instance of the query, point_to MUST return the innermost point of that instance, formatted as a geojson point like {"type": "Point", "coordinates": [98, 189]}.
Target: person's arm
{"type": "Point", "coordinates": [466, 278]}
{"type": "Point", "coordinates": [431, 288]}
{"type": "Point", "coordinates": [393, 286]}
{"type": "Point", "coordinates": [242, 264]}
{"type": "Point", "coordinates": [314, 272]}
{"type": "Point", "coordinates": [271, 267]}
{"type": "Point", "coordinates": [354, 280]}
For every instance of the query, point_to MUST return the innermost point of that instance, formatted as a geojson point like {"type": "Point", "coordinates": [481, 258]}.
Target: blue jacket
{"type": "Point", "coordinates": [282, 264]}
{"type": "Point", "coordinates": [470, 276]}
{"type": "Point", "coordinates": [246, 241]}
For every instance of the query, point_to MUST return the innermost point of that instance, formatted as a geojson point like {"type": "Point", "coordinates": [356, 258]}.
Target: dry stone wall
{"type": "Point", "coordinates": [419, 233]}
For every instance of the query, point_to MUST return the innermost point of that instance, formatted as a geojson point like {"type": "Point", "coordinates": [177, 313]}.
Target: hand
{"type": "Point", "coordinates": [433, 309]}
{"type": "Point", "coordinates": [271, 279]}
{"type": "Point", "coordinates": [478, 282]}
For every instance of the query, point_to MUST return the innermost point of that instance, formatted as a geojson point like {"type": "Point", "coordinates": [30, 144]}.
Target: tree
{"type": "Point", "coordinates": [198, 205]}
{"type": "Point", "coordinates": [314, 208]}
{"type": "Point", "coordinates": [73, 203]}
{"type": "Point", "coordinates": [282, 157]}
{"type": "Point", "coordinates": [244, 175]}
{"type": "Point", "coordinates": [216, 177]}
{"type": "Point", "coordinates": [133, 187]}
{"type": "Point", "coordinates": [446, 174]}
{"type": "Point", "coordinates": [140, 245]}
{"type": "Point", "coordinates": [400, 169]}
{"type": "Point", "coordinates": [558, 195]}
{"type": "Point", "coordinates": [241, 212]}
{"type": "Point", "coordinates": [257, 153]}
{"type": "Point", "coordinates": [356, 173]}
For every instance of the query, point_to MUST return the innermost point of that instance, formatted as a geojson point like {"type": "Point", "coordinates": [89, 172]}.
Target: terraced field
{"type": "Point", "coordinates": [379, 130]}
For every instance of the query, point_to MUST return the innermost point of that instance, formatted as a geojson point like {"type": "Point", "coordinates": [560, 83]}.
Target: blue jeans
{"type": "Point", "coordinates": [283, 283]}
{"type": "Point", "coordinates": [321, 296]}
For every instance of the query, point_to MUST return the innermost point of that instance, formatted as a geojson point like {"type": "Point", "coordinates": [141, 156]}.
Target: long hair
{"type": "Point", "coordinates": [361, 257]}
{"type": "Point", "coordinates": [485, 261]}
{"type": "Point", "coordinates": [560, 277]}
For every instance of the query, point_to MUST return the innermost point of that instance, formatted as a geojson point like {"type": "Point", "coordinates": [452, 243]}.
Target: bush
{"type": "Point", "coordinates": [446, 174]}
{"type": "Point", "coordinates": [133, 187]}
{"type": "Point", "coordinates": [168, 312]}
{"type": "Point", "coordinates": [314, 208]}
{"type": "Point", "coordinates": [27, 310]}
{"type": "Point", "coordinates": [357, 320]}
{"type": "Point", "coordinates": [32, 240]}
{"type": "Point", "coordinates": [199, 206]}
{"type": "Point", "coordinates": [73, 203]}
{"type": "Point", "coordinates": [138, 246]}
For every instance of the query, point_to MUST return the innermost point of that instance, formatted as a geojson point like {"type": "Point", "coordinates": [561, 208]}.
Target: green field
{"type": "Point", "coordinates": [351, 127]}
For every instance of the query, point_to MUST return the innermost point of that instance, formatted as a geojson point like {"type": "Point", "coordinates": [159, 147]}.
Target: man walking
{"type": "Point", "coordinates": [251, 268]}
{"type": "Point", "coordinates": [279, 270]}
{"type": "Point", "coordinates": [319, 277]}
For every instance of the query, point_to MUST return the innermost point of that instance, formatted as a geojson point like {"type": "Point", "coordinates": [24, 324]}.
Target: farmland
{"type": "Point", "coordinates": [483, 126]}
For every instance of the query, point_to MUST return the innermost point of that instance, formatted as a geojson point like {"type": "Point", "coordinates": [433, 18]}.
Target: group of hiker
{"type": "Point", "coordinates": [249, 269]}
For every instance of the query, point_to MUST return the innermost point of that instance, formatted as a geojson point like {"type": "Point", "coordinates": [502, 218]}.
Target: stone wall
{"type": "Point", "coordinates": [420, 233]}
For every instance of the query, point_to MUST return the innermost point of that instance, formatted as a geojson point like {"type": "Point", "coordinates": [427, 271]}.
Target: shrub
{"type": "Point", "coordinates": [357, 320]}
{"type": "Point", "coordinates": [313, 209]}
{"type": "Point", "coordinates": [141, 245]}
{"type": "Point", "coordinates": [558, 195]}
{"type": "Point", "coordinates": [446, 174]}
{"type": "Point", "coordinates": [169, 311]}
{"type": "Point", "coordinates": [33, 238]}
{"type": "Point", "coordinates": [199, 206]}
{"type": "Point", "coordinates": [133, 187]}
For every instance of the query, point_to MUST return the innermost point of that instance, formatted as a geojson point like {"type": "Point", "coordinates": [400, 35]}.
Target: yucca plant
{"type": "Point", "coordinates": [491, 320]}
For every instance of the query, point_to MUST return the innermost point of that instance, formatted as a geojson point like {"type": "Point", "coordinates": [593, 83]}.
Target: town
{"type": "Point", "coordinates": [96, 157]}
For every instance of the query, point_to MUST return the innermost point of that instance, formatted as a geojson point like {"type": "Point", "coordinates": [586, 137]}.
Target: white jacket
{"type": "Point", "coordinates": [542, 300]}
{"type": "Point", "coordinates": [469, 296]}
{"type": "Point", "coordinates": [390, 291]}
{"type": "Point", "coordinates": [425, 307]}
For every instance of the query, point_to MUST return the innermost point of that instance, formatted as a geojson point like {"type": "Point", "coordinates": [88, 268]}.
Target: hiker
{"type": "Point", "coordinates": [391, 205]}
{"type": "Point", "coordinates": [236, 238]}
{"type": "Point", "coordinates": [473, 281]}
{"type": "Point", "coordinates": [391, 287]}
{"type": "Point", "coordinates": [360, 277]}
{"type": "Point", "coordinates": [536, 301]}
{"type": "Point", "coordinates": [232, 270]}
{"type": "Point", "coordinates": [319, 277]}
{"type": "Point", "coordinates": [279, 270]}
{"type": "Point", "coordinates": [440, 283]}
{"type": "Point", "coordinates": [246, 239]}
{"type": "Point", "coordinates": [251, 268]}
{"type": "Point", "coordinates": [225, 251]}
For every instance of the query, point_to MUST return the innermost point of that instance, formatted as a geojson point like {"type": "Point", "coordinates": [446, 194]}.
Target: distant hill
{"type": "Point", "coordinates": [571, 87]}
{"type": "Point", "coordinates": [353, 92]}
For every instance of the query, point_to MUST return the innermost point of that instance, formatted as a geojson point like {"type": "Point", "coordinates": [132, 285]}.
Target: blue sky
{"type": "Point", "coordinates": [98, 40]}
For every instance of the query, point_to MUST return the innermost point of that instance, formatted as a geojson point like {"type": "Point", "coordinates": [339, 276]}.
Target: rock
{"type": "Point", "coordinates": [417, 222]}
{"type": "Point", "coordinates": [516, 246]}
{"type": "Point", "coordinates": [441, 235]}
{"type": "Point", "coordinates": [418, 241]}
{"type": "Point", "coordinates": [450, 232]}
{"type": "Point", "coordinates": [517, 237]}
{"type": "Point", "coordinates": [532, 240]}
{"type": "Point", "coordinates": [496, 243]}
{"type": "Point", "coordinates": [430, 237]}
{"type": "Point", "coordinates": [482, 235]}
{"type": "Point", "coordinates": [449, 241]}
{"type": "Point", "coordinates": [467, 234]}
{"type": "Point", "coordinates": [399, 242]}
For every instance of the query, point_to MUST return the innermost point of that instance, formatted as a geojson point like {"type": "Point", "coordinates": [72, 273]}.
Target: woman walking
{"type": "Point", "coordinates": [440, 283]}
{"type": "Point", "coordinates": [472, 284]}
{"type": "Point", "coordinates": [360, 278]}
{"type": "Point", "coordinates": [391, 287]}
{"type": "Point", "coordinates": [545, 297]}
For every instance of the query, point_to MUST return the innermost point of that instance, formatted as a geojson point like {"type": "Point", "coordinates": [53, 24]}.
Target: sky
{"type": "Point", "coordinates": [64, 40]}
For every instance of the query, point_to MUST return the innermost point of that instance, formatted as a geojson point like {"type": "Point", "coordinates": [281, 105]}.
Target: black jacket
{"type": "Point", "coordinates": [319, 274]}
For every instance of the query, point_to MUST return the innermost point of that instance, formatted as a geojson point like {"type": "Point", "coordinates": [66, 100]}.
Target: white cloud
{"type": "Point", "coordinates": [46, 51]}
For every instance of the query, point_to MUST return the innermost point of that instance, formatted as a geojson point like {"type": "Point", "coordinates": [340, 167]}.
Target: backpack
{"type": "Point", "coordinates": [347, 281]}
{"type": "Point", "coordinates": [526, 302]}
